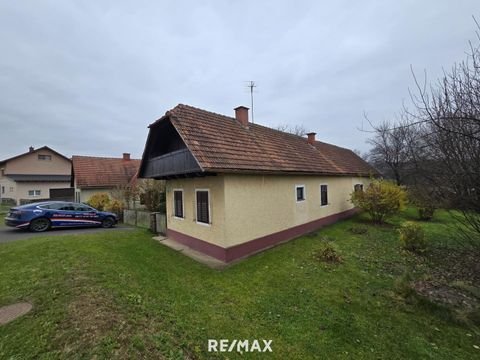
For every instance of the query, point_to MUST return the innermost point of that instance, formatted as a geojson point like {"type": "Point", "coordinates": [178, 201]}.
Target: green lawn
{"type": "Point", "coordinates": [123, 295]}
{"type": "Point", "coordinates": [3, 212]}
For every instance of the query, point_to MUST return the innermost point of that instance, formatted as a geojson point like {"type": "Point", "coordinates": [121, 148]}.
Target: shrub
{"type": "Point", "coordinates": [412, 237]}
{"type": "Point", "coordinates": [423, 199]}
{"type": "Point", "coordinates": [403, 286]}
{"type": "Point", "coordinates": [115, 206]}
{"type": "Point", "coordinates": [380, 200]}
{"type": "Point", "coordinates": [99, 201]}
{"type": "Point", "coordinates": [358, 230]}
{"type": "Point", "coordinates": [153, 195]}
{"type": "Point", "coordinates": [426, 213]}
{"type": "Point", "coordinates": [327, 254]}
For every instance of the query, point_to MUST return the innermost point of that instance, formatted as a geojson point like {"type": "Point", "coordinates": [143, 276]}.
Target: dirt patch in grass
{"type": "Point", "coordinates": [445, 295]}
{"type": "Point", "coordinates": [452, 265]}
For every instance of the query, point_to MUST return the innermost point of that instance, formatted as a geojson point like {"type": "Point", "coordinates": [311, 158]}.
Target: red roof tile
{"type": "Point", "coordinates": [220, 143]}
{"type": "Point", "coordinates": [103, 172]}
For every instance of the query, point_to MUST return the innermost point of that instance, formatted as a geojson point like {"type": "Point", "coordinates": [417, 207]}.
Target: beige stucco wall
{"type": "Point", "coordinates": [22, 189]}
{"type": "Point", "coordinates": [29, 164]}
{"type": "Point", "coordinates": [246, 207]}
{"type": "Point", "coordinates": [213, 233]}
{"type": "Point", "coordinates": [257, 206]}
{"type": "Point", "coordinates": [10, 188]}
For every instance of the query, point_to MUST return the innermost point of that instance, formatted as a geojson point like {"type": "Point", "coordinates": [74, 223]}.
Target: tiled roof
{"type": "Point", "coordinates": [103, 172]}
{"type": "Point", "coordinates": [220, 143]}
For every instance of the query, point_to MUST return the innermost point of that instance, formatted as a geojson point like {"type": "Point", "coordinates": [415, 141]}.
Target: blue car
{"type": "Point", "coordinates": [42, 216]}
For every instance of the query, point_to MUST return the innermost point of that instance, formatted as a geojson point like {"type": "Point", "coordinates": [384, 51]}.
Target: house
{"type": "Point", "coordinates": [234, 188]}
{"type": "Point", "coordinates": [92, 175]}
{"type": "Point", "coordinates": [32, 175]}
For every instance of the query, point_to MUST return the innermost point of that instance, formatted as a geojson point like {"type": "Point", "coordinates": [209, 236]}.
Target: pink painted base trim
{"type": "Point", "coordinates": [207, 248]}
{"type": "Point", "coordinates": [253, 246]}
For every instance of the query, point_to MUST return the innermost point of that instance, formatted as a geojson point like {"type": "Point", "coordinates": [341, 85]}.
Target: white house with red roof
{"type": "Point", "coordinates": [234, 188]}
{"type": "Point", "coordinates": [91, 175]}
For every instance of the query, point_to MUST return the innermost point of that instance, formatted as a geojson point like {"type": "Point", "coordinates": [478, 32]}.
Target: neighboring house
{"type": "Point", "coordinates": [30, 176]}
{"type": "Point", "coordinates": [235, 188]}
{"type": "Point", "coordinates": [92, 175]}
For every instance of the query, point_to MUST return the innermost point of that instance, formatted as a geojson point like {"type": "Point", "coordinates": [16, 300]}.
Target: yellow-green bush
{"type": "Point", "coordinates": [115, 206]}
{"type": "Point", "coordinates": [381, 199]}
{"type": "Point", "coordinates": [99, 201]}
{"type": "Point", "coordinates": [412, 237]}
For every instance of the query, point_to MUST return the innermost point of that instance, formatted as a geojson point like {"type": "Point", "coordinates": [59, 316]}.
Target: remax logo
{"type": "Point", "coordinates": [240, 346]}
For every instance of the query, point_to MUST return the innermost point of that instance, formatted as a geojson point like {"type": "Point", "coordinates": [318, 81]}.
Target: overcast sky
{"type": "Point", "coordinates": [87, 77]}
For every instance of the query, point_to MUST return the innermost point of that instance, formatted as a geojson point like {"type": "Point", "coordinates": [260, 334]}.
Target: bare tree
{"type": "Point", "coordinates": [440, 139]}
{"type": "Point", "coordinates": [299, 130]}
{"type": "Point", "coordinates": [393, 149]}
{"type": "Point", "coordinates": [449, 114]}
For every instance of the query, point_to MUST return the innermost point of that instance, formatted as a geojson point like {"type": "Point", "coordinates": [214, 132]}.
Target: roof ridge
{"type": "Point", "coordinates": [102, 157]}
{"type": "Point", "coordinates": [250, 124]}
{"type": "Point", "coordinates": [34, 151]}
{"type": "Point", "coordinates": [203, 110]}
{"type": "Point", "coordinates": [339, 147]}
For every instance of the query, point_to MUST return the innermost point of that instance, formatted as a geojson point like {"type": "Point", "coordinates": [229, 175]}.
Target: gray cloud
{"type": "Point", "coordinates": [88, 77]}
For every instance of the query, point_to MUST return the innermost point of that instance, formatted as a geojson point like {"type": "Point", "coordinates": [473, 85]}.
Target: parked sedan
{"type": "Point", "coordinates": [42, 216]}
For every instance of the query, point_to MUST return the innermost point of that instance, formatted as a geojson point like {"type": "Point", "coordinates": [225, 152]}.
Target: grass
{"type": "Point", "coordinates": [123, 295]}
{"type": "Point", "coordinates": [3, 212]}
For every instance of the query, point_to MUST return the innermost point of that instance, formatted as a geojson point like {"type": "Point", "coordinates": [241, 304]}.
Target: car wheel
{"type": "Point", "coordinates": [108, 222]}
{"type": "Point", "coordinates": [39, 225]}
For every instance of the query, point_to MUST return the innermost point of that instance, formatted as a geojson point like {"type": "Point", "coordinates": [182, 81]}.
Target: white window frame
{"type": "Point", "coordinates": [183, 203]}
{"type": "Point", "coordinates": [304, 193]}
{"type": "Point", "coordinates": [35, 193]}
{"type": "Point", "coordinates": [209, 208]}
{"type": "Point", "coordinates": [320, 189]}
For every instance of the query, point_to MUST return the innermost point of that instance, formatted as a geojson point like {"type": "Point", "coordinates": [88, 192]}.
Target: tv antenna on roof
{"type": "Point", "coordinates": [251, 85]}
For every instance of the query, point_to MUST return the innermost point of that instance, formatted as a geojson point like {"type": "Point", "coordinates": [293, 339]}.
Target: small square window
{"type": "Point", "coordinates": [358, 187]}
{"type": "Point", "coordinates": [44, 157]}
{"type": "Point", "coordinates": [34, 192]}
{"type": "Point", "coordinates": [300, 192]}
{"type": "Point", "coordinates": [323, 195]}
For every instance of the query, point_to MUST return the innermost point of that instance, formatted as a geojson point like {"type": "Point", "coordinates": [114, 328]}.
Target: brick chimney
{"type": "Point", "coordinates": [31, 148]}
{"type": "Point", "coordinates": [126, 156]}
{"type": "Point", "coordinates": [241, 115]}
{"type": "Point", "coordinates": [311, 138]}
